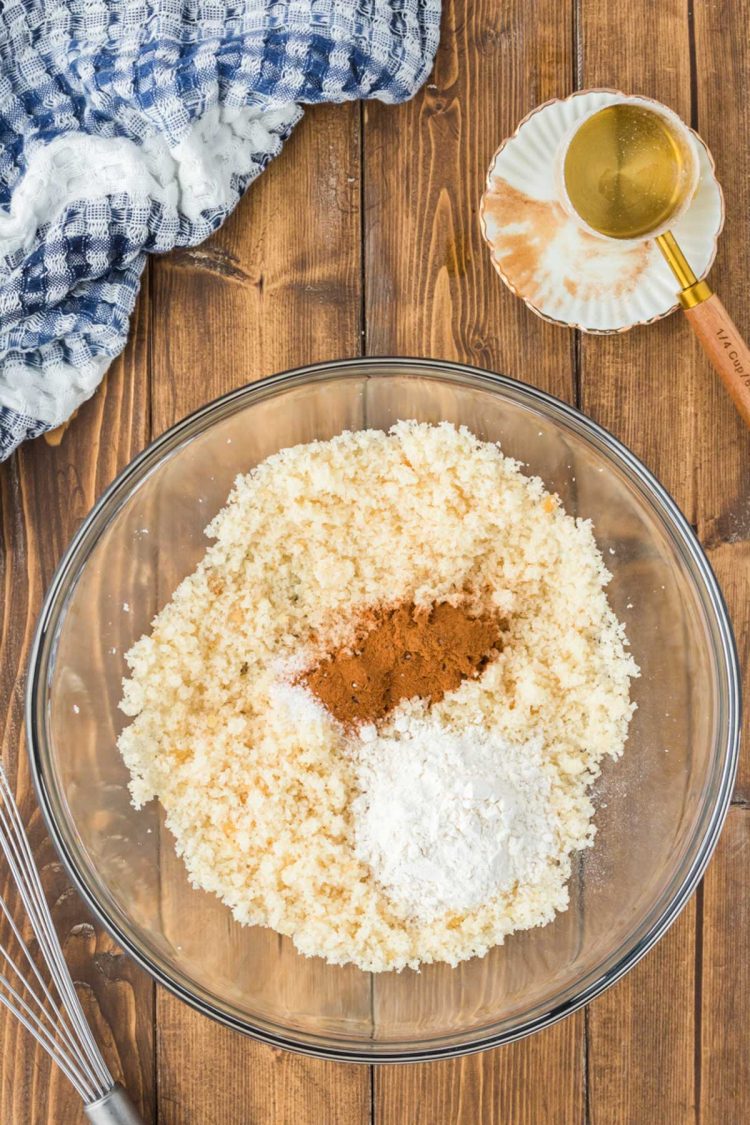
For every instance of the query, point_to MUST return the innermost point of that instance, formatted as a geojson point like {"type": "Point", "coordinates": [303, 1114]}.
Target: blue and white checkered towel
{"type": "Point", "coordinates": [132, 126]}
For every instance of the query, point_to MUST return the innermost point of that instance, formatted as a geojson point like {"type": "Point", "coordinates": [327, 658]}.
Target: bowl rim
{"type": "Point", "coordinates": [712, 817]}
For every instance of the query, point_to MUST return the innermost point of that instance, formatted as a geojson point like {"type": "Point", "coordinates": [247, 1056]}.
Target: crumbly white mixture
{"type": "Point", "coordinates": [259, 791]}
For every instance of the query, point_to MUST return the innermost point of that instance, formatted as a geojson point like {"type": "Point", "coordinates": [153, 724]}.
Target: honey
{"type": "Point", "coordinates": [626, 172]}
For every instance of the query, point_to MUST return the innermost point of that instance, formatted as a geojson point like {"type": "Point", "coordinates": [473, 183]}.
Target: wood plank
{"type": "Point", "coordinates": [628, 381]}
{"type": "Point", "coordinates": [723, 469]}
{"type": "Point", "coordinates": [278, 286]}
{"type": "Point", "coordinates": [45, 492]}
{"type": "Point", "coordinates": [537, 1080]}
{"type": "Point", "coordinates": [430, 289]}
{"type": "Point", "coordinates": [626, 1084]}
{"type": "Point", "coordinates": [651, 387]}
{"type": "Point", "coordinates": [211, 1076]}
{"type": "Point", "coordinates": [731, 563]}
{"type": "Point", "coordinates": [725, 1032]}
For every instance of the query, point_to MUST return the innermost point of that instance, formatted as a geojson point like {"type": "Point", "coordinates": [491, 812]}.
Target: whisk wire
{"type": "Point", "coordinates": [27, 954]}
{"type": "Point", "coordinates": [62, 1029]}
{"type": "Point", "coordinates": [32, 1023]}
{"type": "Point", "coordinates": [39, 917]}
{"type": "Point", "coordinates": [52, 951]}
{"type": "Point", "coordinates": [79, 1058]}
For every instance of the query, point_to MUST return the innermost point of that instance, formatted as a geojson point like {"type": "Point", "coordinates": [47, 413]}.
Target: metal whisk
{"type": "Point", "coordinates": [51, 1012]}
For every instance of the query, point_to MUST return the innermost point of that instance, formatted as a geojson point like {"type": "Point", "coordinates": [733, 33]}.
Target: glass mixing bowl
{"type": "Point", "coordinates": [660, 808]}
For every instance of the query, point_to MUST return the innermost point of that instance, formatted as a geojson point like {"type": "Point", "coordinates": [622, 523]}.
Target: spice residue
{"type": "Point", "coordinates": [542, 251]}
{"type": "Point", "coordinates": [401, 652]}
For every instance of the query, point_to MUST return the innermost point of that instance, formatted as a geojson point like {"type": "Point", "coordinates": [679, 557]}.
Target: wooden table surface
{"type": "Point", "coordinates": [363, 238]}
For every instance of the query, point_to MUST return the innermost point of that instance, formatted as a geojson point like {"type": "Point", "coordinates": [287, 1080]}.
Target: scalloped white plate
{"type": "Point", "coordinates": [564, 274]}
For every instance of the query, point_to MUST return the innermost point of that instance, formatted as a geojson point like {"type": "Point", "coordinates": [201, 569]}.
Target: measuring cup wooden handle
{"type": "Point", "coordinates": [726, 349]}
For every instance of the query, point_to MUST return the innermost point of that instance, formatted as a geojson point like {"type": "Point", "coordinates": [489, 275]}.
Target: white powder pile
{"type": "Point", "coordinates": [261, 786]}
{"type": "Point", "coordinates": [448, 819]}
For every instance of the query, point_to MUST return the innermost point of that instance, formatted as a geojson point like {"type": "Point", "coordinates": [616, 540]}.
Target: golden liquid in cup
{"type": "Point", "coordinates": [626, 172]}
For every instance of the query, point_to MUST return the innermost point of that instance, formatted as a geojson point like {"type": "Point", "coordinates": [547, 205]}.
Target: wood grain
{"type": "Point", "coordinates": [722, 461]}
{"type": "Point", "coordinates": [539, 1080]}
{"type": "Point", "coordinates": [731, 563]}
{"type": "Point", "coordinates": [626, 1085]}
{"type": "Point", "coordinates": [430, 289]}
{"type": "Point", "coordinates": [724, 1030]}
{"type": "Point", "coordinates": [650, 387]}
{"type": "Point", "coordinates": [647, 385]}
{"type": "Point", "coordinates": [45, 492]}
{"type": "Point", "coordinates": [211, 1076]}
{"type": "Point", "coordinates": [277, 287]}
{"type": "Point", "coordinates": [282, 284]}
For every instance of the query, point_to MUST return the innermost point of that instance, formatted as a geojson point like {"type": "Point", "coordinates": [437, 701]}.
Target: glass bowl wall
{"type": "Point", "coordinates": [660, 808]}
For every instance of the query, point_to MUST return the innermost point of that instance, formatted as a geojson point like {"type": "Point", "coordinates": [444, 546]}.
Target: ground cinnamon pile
{"type": "Point", "coordinates": [402, 652]}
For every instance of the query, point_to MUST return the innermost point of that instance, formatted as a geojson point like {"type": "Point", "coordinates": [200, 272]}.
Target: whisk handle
{"type": "Point", "coordinates": [115, 1108]}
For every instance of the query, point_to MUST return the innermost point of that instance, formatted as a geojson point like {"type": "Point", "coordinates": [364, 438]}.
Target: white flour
{"type": "Point", "coordinates": [445, 819]}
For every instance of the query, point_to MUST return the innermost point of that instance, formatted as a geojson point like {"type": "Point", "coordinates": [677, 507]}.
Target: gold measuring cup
{"type": "Point", "coordinates": [628, 172]}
